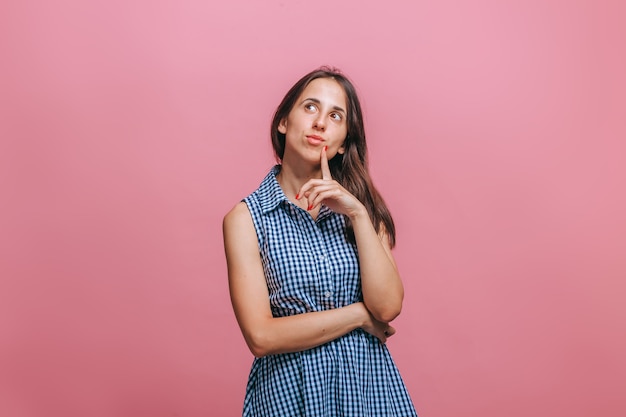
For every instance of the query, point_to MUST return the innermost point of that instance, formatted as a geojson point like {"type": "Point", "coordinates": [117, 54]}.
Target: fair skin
{"type": "Point", "coordinates": [315, 130]}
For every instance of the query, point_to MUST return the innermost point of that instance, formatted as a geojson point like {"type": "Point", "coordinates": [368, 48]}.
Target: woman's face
{"type": "Point", "coordinates": [317, 119]}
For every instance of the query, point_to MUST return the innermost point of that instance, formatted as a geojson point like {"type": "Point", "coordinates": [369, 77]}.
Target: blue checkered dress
{"type": "Point", "coordinates": [309, 266]}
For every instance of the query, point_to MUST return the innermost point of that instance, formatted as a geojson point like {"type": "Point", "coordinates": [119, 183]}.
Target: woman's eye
{"type": "Point", "coordinates": [336, 116]}
{"type": "Point", "coordinates": [310, 107]}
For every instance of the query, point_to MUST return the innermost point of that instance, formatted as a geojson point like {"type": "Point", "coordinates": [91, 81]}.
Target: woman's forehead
{"type": "Point", "coordinates": [326, 90]}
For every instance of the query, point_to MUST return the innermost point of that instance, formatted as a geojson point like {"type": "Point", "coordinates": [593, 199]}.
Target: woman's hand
{"type": "Point", "coordinates": [330, 192]}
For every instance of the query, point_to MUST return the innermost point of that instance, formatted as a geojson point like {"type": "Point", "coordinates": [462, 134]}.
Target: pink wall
{"type": "Point", "coordinates": [129, 128]}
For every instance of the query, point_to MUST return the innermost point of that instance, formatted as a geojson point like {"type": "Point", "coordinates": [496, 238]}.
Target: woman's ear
{"type": "Point", "coordinates": [282, 126]}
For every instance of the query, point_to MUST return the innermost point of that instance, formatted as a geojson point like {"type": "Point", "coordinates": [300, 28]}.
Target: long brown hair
{"type": "Point", "coordinates": [350, 169]}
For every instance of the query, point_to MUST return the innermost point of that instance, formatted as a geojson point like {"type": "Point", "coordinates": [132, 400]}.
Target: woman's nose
{"type": "Point", "coordinates": [319, 123]}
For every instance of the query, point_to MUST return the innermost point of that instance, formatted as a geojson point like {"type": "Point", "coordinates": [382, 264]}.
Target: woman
{"type": "Point", "coordinates": [312, 279]}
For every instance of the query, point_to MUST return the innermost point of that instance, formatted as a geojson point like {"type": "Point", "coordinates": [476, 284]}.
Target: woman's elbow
{"type": "Point", "coordinates": [257, 351]}
{"type": "Point", "coordinates": [258, 344]}
{"type": "Point", "coordinates": [387, 315]}
{"type": "Point", "coordinates": [387, 310]}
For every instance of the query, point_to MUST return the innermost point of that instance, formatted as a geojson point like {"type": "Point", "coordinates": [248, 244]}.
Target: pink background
{"type": "Point", "coordinates": [497, 135]}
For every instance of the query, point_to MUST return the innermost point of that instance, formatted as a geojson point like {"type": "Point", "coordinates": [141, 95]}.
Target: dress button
{"type": "Point", "coordinates": [327, 294]}
{"type": "Point", "coordinates": [322, 257]}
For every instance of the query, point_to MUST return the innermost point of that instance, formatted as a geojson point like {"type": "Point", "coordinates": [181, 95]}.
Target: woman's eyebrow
{"type": "Point", "coordinates": [317, 101]}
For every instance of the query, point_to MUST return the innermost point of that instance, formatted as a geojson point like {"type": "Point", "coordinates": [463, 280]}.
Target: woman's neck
{"type": "Point", "coordinates": [291, 179]}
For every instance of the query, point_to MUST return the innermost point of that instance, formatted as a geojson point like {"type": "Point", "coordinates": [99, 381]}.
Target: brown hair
{"type": "Point", "coordinates": [350, 168]}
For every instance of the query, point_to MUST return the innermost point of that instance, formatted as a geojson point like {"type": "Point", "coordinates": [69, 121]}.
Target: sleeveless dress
{"type": "Point", "coordinates": [310, 266]}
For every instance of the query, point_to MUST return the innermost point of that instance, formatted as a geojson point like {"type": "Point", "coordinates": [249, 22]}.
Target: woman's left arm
{"type": "Point", "coordinates": [382, 287]}
{"type": "Point", "coordinates": [383, 291]}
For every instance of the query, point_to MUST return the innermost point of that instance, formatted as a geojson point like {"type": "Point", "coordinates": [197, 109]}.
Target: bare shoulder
{"type": "Point", "coordinates": [238, 223]}
{"type": "Point", "coordinates": [238, 214]}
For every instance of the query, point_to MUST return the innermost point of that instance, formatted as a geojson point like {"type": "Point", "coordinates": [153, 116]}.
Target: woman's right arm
{"type": "Point", "coordinates": [264, 333]}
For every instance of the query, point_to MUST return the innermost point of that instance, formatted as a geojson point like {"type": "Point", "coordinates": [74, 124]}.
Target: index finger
{"type": "Point", "coordinates": [324, 163]}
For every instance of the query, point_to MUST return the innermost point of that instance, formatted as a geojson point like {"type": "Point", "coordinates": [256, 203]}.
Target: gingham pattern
{"type": "Point", "coordinates": [309, 266]}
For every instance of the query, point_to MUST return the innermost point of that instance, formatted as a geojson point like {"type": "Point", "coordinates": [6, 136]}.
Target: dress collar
{"type": "Point", "coordinates": [271, 195]}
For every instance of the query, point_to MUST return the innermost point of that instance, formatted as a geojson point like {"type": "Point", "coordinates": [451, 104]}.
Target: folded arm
{"type": "Point", "coordinates": [264, 333]}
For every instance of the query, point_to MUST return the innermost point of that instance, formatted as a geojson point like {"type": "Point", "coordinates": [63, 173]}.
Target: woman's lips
{"type": "Point", "coordinates": [314, 140]}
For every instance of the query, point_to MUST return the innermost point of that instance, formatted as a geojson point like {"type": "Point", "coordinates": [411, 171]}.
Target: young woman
{"type": "Point", "coordinates": [312, 279]}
